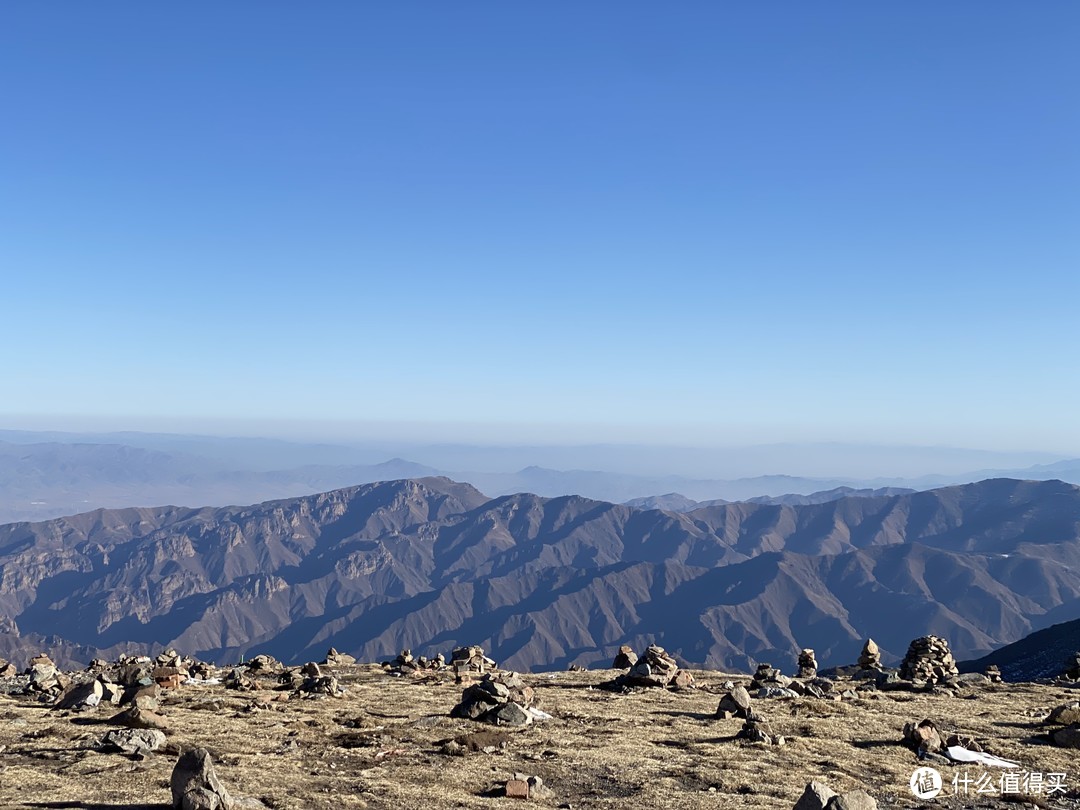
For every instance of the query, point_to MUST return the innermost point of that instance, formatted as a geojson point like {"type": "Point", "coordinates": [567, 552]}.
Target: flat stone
{"type": "Point", "coordinates": [517, 789]}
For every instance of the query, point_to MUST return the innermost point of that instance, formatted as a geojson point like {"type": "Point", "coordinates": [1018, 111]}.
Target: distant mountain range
{"type": "Point", "coordinates": [46, 479]}
{"type": "Point", "coordinates": [547, 582]}
{"type": "Point", "coordinates": [674, 502]}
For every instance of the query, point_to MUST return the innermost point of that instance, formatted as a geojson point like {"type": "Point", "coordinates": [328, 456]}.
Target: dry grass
{"type": "Point", "coordinates": [379, 747]}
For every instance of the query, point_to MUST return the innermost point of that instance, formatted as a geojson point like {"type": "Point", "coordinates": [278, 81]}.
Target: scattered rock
{"type": "Point", "coordinates": [140, 718]}
{"type": "Point", "coordinates": [923, 737]}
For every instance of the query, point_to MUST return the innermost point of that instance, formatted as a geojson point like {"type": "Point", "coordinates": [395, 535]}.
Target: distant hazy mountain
{"type": "Point", "coordinates": [545, 582]}
{"type": "Point", "coordinates": [674, 502]}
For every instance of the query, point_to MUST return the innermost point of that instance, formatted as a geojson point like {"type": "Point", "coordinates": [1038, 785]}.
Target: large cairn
{"type": "Point", "coordinates": [807, 664]}
{"type": "Point", "coordinates": [655, 667]}
{"type": "Point", "coordinates": [929, 659]}
{"type": "Point", "coordinates": [870, 658]}
{"type": "Point", "coordinates": [470, 660]}
{"type": "Point", "coordinates": [502, 700]}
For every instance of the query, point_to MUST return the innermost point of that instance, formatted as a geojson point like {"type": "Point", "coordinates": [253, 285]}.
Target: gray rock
{"type": "Point", "coordinates": [133, 740]}
{"type": "Point", "coordinates": [510, 714]}
{"type": "Point", "coordinates": [853, 800]}
{"type": "Point", "coordinates": [775, 692]}
{"type": "Point", "coordinates": [1065, 714]}
{"type": "Point", "coordinates": [815, 797]}
{"type": "Point", "coordinates": [1067, 737]}
{"type": "Point", "coordinates": [195, 785]}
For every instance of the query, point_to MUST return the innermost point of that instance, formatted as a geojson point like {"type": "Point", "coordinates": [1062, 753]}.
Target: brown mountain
{"type": "Point", "coordinates": [544, 582]}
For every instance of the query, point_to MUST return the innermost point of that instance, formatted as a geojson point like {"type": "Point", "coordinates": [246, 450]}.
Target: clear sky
{"type": "Point", "coordinates": [735, 221]}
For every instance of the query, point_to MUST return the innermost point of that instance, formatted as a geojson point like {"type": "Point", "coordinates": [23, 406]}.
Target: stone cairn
{"type": "Point", "coordinates": [406, 664]}
{"type": "Point", "coordinates": [337, 659]}
{"type": "Point", "coordinates": [929, 659]}
{"type": "Point", "coordinates": [655, 667]}
{"type": "Point", "coordinates": [471, 660]}
{"type": "Point", "coordinates": [502, 700]}
{"type": "Point", "coordinates": [625, 658]}
{"type": "Point", "coordinates": [993, 673]}
{"type": "Point", "coordinates": [736, 703]}
{"type": "Point", "coordinates": [757, 729]}
{"type": "Point", "coordinates": [807, 664]}
{"type": "Point", "coordinates": [870, 658]}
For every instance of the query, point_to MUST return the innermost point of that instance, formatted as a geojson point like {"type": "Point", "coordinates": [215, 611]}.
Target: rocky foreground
{"type": "Point", "coordinates": [414, 733]}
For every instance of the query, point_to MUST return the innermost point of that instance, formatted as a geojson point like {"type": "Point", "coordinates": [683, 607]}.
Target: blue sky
{"type": "Point", "coordinates": [697, 221]}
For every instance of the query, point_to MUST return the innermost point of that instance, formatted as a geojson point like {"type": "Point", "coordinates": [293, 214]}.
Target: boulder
{"type": "Point", "coordinates": [133, 740]}
{"type": "Point", "coordinates": [1066, 714]}
{"type": "Point", "coordinates": [815, 797]}
{"type": "Point", "coordinates": [195, 785]}
{"type": "Point", "coordinates": [625, 658]}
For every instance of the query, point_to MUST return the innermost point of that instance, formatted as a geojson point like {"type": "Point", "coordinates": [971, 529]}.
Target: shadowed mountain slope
{"type": "Point", "coordinates": [544, 582]}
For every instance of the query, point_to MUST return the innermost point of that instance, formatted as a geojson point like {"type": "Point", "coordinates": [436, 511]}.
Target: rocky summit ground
{"type": "Point", "coordinates": [381, 743]}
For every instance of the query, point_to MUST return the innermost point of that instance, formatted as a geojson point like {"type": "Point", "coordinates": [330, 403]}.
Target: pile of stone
{"type": "Point", "coordinates": [993, 673]}
{"type": "Point", "coordinates": [870, 658]}
{"type": "Point", "coordinates": [406, 664]}
{"type": "Point", "coordinates": [736, 703]}
{"type": "Point", "coordinates": [807, 664]}
{"type": "Point", "coordinates": [625, 658]}
{"type": "Point", "coordinates": [929, 660]}
{"type": "Point", "coordinates": [337, 659]}
{"type": "Point", "coordinates": [819, 796]}
{"type": "Point", "coordinates": [502, 700]}
{"type": "Point", "coordinates": [46, 679]}
{"type": "Point", "coordinates": [770, 682]}
{"type": "Point", "coordinates": [471, 661]}
{"type": "Point", "coordinates": [758, 730]}
{"type": "Point", "coordinates": [655, 667]}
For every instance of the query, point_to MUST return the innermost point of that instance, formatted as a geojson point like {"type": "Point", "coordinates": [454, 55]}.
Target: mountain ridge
{"type": "Point", "coordinates": [430, 563]}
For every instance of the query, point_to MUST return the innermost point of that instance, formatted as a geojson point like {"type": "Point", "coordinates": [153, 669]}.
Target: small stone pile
{"type": "Point", "coordinates": [337, 659]}
{"type": "Point", "coordinates": [807, 664]}
{"type": "Point", "coordinates": [993, 673]}
{"type": "Point", "coordinates": [470, 661]}
{"type": "Point", "coordinates": [870, 658]}
{"type": "Point", "coordinates": [929, 659]}
{"type": "Point", "coordinates": [45, 677]}
{"type": "Point", "coordinates": [771, 682]}
{"type": "Point", "coordinates": [655, 667]}
{"type": "Point", "coordinates": [502, 700]}
{"type": "Point", "coordinates": [406, 664]}
{"type": "Point", "coordinates": [736, 703]}
{"type": "Point", "coordinates": [625, 658]}
{"type": "Point", "coordinates": [757, 729]}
